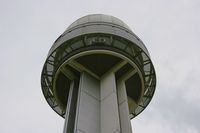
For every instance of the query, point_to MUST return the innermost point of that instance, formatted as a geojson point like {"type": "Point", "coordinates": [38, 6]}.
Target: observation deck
{"type": "Point", "coordinates": [99, 50]}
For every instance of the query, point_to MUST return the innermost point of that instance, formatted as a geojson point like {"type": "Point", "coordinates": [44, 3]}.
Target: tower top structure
{"type": "Point", "coordinates": [98, 18]}
{"type": "Point", "coordinates": [97, 44]}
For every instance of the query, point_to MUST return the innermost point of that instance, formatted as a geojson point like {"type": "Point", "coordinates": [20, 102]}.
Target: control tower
{"type": "Point", "coordinates": [98, 75]}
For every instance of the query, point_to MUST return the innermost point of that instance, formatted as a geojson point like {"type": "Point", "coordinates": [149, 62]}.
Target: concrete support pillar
{"type": "Point", "coordinates": [123, 108]}
{"type": "Point", "coordinates": [88, 106]}
{"type": "Point", "coordinates": [109, 105]}
{"type": "Point", "coordinates": [71, 108]}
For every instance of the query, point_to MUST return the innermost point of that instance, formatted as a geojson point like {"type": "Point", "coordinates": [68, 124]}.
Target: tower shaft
{"type": "Point", "coordinates": [97, 106]}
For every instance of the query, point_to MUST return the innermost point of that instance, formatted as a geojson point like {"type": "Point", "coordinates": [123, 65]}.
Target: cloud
{"type": "Point", "coordinates": [170, 30]}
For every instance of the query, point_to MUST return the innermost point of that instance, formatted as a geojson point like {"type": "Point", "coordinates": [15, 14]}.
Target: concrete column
{"type": "Point", "coordinates": [67, 122]}
{"type": "Point", "coordinates": [109, 105]}
{"type": "Point", "coordinates": [71, 108]}
{"type": "Point", "coordinates": [123, 108]}
{"type": "Point", "coordinates": [88, 109]}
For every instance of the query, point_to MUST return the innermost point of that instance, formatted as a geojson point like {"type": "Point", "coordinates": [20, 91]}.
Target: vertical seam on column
{"type": "Point", "coordinates": [68, 105]}
{"type": "Point", "coordinates": [117, 89]}
{"type": "Point", "coordinates": [78, 102]}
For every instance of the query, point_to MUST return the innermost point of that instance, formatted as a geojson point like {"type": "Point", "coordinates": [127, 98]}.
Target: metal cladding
{"type": "Point", "coordinates": [97, 43]}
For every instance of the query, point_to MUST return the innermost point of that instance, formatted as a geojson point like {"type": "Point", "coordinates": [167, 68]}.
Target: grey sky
{"type": "Point", "coordinates": [170, 30]}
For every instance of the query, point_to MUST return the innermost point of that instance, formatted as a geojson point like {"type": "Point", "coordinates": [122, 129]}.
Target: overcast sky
{"type": "Point", "coordinates": [170, 30]}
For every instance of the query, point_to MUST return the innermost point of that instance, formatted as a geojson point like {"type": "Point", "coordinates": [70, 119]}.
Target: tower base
{"type": "Point", "coordinates": [97, 106]}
